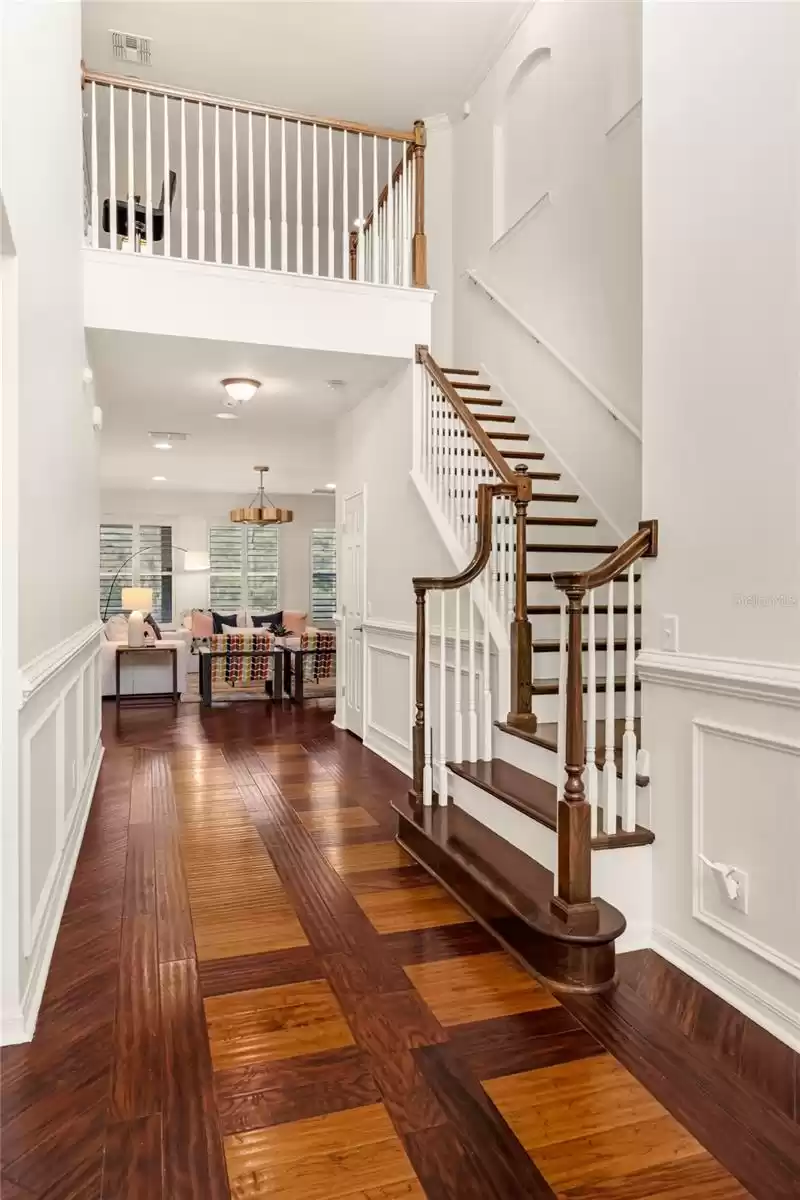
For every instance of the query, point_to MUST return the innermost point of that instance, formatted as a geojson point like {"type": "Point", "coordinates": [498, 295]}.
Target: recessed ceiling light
{"type": "Point", "coordinates": [159, 479]}
{"type": "Point", "coordinates": [241, 390]}
{"type": "Point", "coordinates": [330, 486]}
{"type": "Point", "coordinates": [227, 416]}
{"type": "Point", "coordinates": [162, 445]}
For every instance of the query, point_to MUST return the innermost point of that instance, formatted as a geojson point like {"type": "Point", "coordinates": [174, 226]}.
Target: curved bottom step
{"type": "Point", "coordinates": [509, 894]}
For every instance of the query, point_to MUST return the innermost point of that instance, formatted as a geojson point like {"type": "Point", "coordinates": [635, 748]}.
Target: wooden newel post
{"type": "Point", "coordinates": [353, 253]}
{"type": "Point", "coordinates": [418, 733]}
{"type": "Point", "coordinates": [419, 255]}
{"type": "Point", "coordinates": [573, 901]}
{"type": "Point", "coordinates": [521, 711]}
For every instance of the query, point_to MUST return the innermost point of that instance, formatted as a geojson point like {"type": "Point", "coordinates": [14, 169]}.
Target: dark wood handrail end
{"type": "Point", "coordinates": [420, 350]}
{"type": "Point", "coordinates": [652, 526]}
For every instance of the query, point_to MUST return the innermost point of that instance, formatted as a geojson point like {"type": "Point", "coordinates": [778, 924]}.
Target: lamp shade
{"type": "Point", "coordinates": [137, 599]}
{"type": "Point", "coordinates": [196, 560]}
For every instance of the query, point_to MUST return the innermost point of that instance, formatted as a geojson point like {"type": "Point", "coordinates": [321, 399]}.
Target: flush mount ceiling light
{"type": "Point", "coordinates": [240, 390]}
{"type": "Point", "coordinates": [261, 510]}
{"type": "Point", "coordinates": [165, 441]}
{"type": "Point", "coordinates": [227, 416]}
{"type": "Point", "coordinates": [159, 479]}
{"type": "Point", "coordinates": [330, 486]}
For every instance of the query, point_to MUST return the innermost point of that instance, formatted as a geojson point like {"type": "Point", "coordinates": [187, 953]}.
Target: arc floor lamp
{"type": "Point", "coordinates": [141, 598]}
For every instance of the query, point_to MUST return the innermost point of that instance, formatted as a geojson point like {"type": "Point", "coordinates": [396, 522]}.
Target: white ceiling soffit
{"type": "Point", "coordinates": [145, 382]}
{"type": "Point", "coordinates": [381, 63]}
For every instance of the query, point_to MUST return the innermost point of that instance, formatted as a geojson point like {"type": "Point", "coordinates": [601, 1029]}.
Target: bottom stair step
{"type": "Point", "coordinates": [509, 894]}
{"type": "Point", "coordinates": [546, 736]}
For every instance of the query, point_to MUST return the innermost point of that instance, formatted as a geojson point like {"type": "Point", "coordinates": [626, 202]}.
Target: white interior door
{"type": "Point", "coordinates": [353, 612]}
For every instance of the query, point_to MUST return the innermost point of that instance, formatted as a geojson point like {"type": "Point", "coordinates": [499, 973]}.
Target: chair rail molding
{"type": "Point", "coordinates": [775, 683]}
{"type": "Point", "coordinates": [35, 673]}
{"type": "Point", "coordinates": [612, 409]}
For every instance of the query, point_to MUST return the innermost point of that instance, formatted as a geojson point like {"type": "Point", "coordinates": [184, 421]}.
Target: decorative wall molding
{"type": "Point", "coordinates": [612, 409]}
{"type": "Point", "coordinates": [701, 730]}
{"type": "Point", "coordinates": [35, 674]}
{"type": "Point", "coordinates": [372, 649]}
{"type": "Point", "coordinates": [779, 1019]}
{"type": "Point", "coordinates": [537, 206]}
{"type": "Point", "coordinates": [776, 683]}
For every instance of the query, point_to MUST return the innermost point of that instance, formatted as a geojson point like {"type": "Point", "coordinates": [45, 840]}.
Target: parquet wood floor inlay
{"type": "Point", "coordinates": [256, 993]}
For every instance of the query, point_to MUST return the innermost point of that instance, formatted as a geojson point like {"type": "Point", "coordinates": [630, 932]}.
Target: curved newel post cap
{"type": "Point", "coordinates": [420, 136]}
{"type": "Point", "coordinates": [420, 351]}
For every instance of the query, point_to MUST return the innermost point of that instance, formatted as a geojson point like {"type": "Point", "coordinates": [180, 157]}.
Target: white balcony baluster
{"type": "Point", "coordinates": [629, 735]}
{"type": "Point", "coordinates": [443, 698]}
{"type": "Point", "coordinates": [591, 717]}
{"type": "Point", "coordinates": [251, 197]}
{"type": "Point", "coordinates": [609, 763]}
{"type": "Point", "coordinates": [131, 181]}
{"type": "Point", "coordinates": [267, 200]}
{"type": "Point", "coordinates": [184, 211]}
{"type": "Point", "coordinates": [201, 195]}
{"type": "Point", "coordinates": [314, 203]}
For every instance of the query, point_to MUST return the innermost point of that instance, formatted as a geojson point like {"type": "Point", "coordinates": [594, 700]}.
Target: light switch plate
{"type": "Point", "coordinates": [740, 900]}
{"type": "Point", "coordinates": [669, 632]}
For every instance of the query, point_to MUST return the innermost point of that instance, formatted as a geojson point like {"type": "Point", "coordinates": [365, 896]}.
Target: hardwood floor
{"type": "Point", "coordinates": [255, 992]}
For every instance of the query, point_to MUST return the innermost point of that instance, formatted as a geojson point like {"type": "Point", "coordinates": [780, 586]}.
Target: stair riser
{"type": "Point", "coordinates": [564, 560]}
{"type": "Point", "coordinates": [543, 591]}
{"type": "Point", "coordinates": [546, 707]}
{"type": "Point", "coordinates": [546, 665]}
{"type": "Point", "coordinates": [547, 627]}
{"type": "Point", "coordinates": [622, 877]}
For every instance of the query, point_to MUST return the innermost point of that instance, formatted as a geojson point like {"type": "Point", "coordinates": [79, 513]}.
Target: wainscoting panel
{"type": "Point", "coordinates": [390, 692]}
{"type": "Point", "coordinates": [59, 759]}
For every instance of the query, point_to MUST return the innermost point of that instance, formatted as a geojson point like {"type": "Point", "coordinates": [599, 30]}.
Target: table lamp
{"type": "Point", "coordinates": [139, 600]}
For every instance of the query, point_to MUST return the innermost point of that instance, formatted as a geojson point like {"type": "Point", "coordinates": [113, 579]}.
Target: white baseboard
{"type": "Point", "coordinates": [383, 751]}
{"type": "Point", "coordinates": [777, 1018]}
{"type": "Point", "coordinates": [19, 1026]}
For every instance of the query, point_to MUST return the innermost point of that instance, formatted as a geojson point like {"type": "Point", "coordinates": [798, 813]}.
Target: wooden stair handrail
{"type": "Point", "coordinates": [486, 495]}
{"type": "Point", "coordinates": [521, 484]}
{"type": "Point", "coordinates": [573, 901]}
{"type": "Point", "coordinates": [642, 544]}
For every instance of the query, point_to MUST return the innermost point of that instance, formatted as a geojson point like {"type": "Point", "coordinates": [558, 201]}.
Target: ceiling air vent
{"type": "Point", "coordinates": [131, 47]}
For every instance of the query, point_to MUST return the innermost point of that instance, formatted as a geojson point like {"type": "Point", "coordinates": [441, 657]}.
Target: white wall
{"type": "Point", "coordinates": [49, 474]}
{"type": "Point", "coordinates": [192, 513]}
{"type": "Point", "coordinates": [721, 417]}
{"type": "Point", "coordinates": [374, 453]}
{"type": "Point", "coordinates": [571, 267]}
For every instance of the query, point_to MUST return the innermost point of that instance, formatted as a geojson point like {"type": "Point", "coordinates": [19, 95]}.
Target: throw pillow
{"type": "Point", "coordinates": [270, 621]}
{"type": "Point", "coordinates": [202, 623]}
{"type": "Point", "coordinates": [219, 621]}
{"type": "Point", "coordinates": [151, 621]}
{"type": "Point", "coordinates": [295, 622]}
{"type": "Point", "coordinates": [237, 629]}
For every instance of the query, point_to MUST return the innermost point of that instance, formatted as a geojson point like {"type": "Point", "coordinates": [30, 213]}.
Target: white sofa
{"type": "Point", "coordinates": [139, 676]}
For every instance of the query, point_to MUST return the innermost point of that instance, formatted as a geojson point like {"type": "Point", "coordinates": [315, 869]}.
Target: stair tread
{"type": "Point", "coordinates": [546, 736]}
{"type": "Point", "coordinates": [569, 547]}
{"type": "Point", "coordinates": [508, 418]}
{"type": "Point", "coordinates": [554, 475]}
{"type": "Point", "coordinates": [471, 386]}
{"type": "Point", "coordinates": [518, 881]}
{"type": "Point", "coordinates": [483, 400]}
{"type": "Point", "coordinates": [548, 646]}
{"type": "Point", "coordinates": [546, 610]}
{"type": "Point", "coordinates": [582, 522]}
{"type": "Point", "coordinates": [532, 796]}
{"type": "Point", "coordinates": [502, 436]}
{"type": "Point", "coordinates": [460, 371]}
{"type": "Point", "coordinates": [549, 687]}
{"type": "Point", "coordinates": [523, 454]}
{"type": "Point", "coordinates": [547, 577]}
{"type": "Point", "coordinates": [554, 497]}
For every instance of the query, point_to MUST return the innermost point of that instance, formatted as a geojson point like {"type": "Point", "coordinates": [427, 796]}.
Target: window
{"type": "Point", "coordinates": [144, 552]}
{"type": "Point", "coordinates": [244, 567]}
{"type": "Point", "coordinates": [323, 575]}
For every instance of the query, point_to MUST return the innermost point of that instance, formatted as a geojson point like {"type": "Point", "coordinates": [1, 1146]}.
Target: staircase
{"type": "Point", "coordinates": [525, 811]}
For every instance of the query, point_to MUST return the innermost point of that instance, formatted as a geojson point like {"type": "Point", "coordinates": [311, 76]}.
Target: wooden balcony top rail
{"type": "Point", "coordinates": [642, 544]}
{"type": "Point", "coordinates": [130, 83]}
{"type": "Point", "coordinates": [521, 485]}
{"type": "Point", "coordinates": [486, 495]}
{"type": "Point", "coordinates": [384, 195]}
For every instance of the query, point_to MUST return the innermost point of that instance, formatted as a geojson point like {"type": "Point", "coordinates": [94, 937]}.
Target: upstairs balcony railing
{"type": "Point", "coordinates": [198, 177]}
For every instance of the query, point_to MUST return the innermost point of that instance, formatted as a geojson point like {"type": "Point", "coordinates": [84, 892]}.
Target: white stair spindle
{"type": "Point", "coordinates": [112, 170]}
{"type": "Point", "coordinates": [184, 213]}
{"type": "Point", "coordinates": [561, 731]}
{"type": "Point", "coordinates": [503, 557]}
{"type": "Point", "coordinates": [331, 264]}
{"type": "Point", "coordinates": [390, 277]}
{"type": "Point", "coordinates": [148, 176]}
{"type": "Point", "coordinates": [234, 193]}
{"type": "Point", "coordinates": [267, 201]}
{"type": "Point", "coordinates": [314, 202]}
{"type": "Point", "coordinates": [443, 698]}
{"type": "Point", "coordinates": [375, 245]}
{"type": "Point", "coordinates": [427, 770]}
{"type": "Point", "coordinates": [299, 201]}
{"type": "Point", "coordinates": [217, 200]}
{"type": "Point", "coordinates": [131, 182]}
{"type": "Point", "coordinates": [629, 735]}
{"type": "Point", "coordinates": [487, 665]}
{"type": "Point", "coordinates": [361, 268]}
{"type": "Point", "coordinates": [251, 198]}
{"type": "Point", "coordinates": [591, 718]}
{"type": "Point", "coordinates": [95, 199]}
{"type": "Point", "coordinates": [609, 762]}
{"type": "Point", "coordinates": [284, 221]}
{"type": "Point", "coordinates": [345, 212]}
{"type": "Point", "coordinates": [201, 188]}
{"type": "Point", "coordinates": [472, 712]}
{"type": "Point", "coordinates": [458, 732]}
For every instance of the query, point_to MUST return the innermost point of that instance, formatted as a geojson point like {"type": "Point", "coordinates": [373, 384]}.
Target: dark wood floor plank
{"type": "Point", "coordinates": [245, 972]}
{"type": "Point", "coordinates": [140, 872]}
{"type": "Point", "coordinates": [411, 946]}
{"type": "Point", "coordinates": [194, 1163]}
{"type": "Point", "coordinates": [69, 1161]}
{"type": "Point", "coordinates": [137, 1066]}
{"type": "Point", "coordinates": [523, 1042]}
{"type": "Point", "coordinates": [175, 932]}
{"type": "Point", "coordinates": [132, 1164]}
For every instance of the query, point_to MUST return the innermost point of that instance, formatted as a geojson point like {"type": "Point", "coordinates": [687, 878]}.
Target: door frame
{"type": "Point", "coordinates": [341, 715]}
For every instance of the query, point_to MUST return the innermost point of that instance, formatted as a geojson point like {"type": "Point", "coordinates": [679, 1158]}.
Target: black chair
{"type": "Point", "coordinates": [140, 215]}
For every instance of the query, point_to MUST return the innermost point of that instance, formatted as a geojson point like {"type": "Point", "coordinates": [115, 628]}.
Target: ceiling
{"type": "Point", "coordinates": [144, 382]}
{"type": "Point", "coordinates": [375, 62]}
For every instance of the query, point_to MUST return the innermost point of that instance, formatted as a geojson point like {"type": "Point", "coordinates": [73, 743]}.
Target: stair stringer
{"type": "Point", "coordinates": [622, 876]}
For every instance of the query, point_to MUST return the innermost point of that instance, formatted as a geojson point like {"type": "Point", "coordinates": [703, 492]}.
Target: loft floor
{"type": "Point", "coordinates": [256, 993]}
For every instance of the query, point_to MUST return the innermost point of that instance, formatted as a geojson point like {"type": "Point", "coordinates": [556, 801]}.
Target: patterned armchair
{"type": "Point", "coordinates": [238, 660]}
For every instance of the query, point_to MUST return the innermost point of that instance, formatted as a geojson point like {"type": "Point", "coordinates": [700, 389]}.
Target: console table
{"type": "Point", "coordinates": [159, 648]}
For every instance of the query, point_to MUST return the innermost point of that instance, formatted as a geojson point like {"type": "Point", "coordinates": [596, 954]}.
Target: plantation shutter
{"type": "Point", "coordinates": [323, 575]}
{"type": "Point", "coordinates": [261, 550]}
{"type": "Point", "coordinates": [154, 567]}
{"type": "Point", "coordinates": [116, 546]}
{"type": "Point", "coordinates": [226, 590]}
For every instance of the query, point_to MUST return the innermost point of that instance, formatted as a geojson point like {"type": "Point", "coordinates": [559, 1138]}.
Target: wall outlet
{"type": "Point", "coordinates": [669, 632]}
